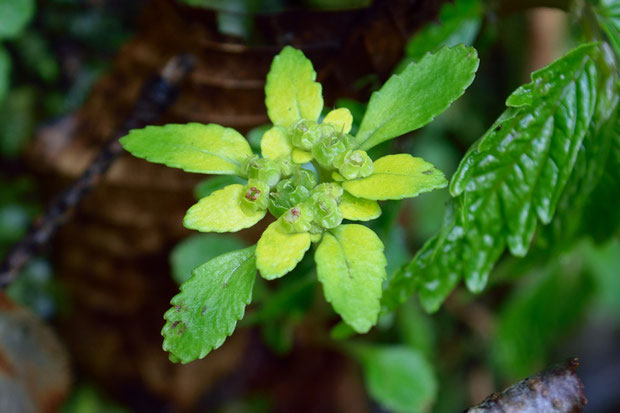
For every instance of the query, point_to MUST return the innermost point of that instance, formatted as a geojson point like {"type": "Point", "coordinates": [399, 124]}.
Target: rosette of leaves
{"type": "Point", "coordinates": [313, 177]}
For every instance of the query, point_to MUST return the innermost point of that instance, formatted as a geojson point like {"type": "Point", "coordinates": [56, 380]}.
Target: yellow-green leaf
{"type": "Point", "coordinates": [291, 91]}
{"type": "Point", "coordinates": [278, 252]}
{"type": "Point", "coordinates": [193, 147]}
{"type": "Point", "coordinates": [358, 209]}
{"type": "Point", "coordinates": [221, 212]}
{"type": "Point", "coordinates": [301, 157]}
{"type": "Point", "coordinates": [351, 266]}
{"type": "Point", "coordinates": [341, 118]}
{"type": "Point", "coordinates": [275, 143]}
{"type": "Point", "coordinates": [411, 99]}
{"type": "Point", "coordinates": [397, 177]}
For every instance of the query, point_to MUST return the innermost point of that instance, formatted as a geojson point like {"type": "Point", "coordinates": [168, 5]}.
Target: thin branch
{"type": "Point", "coordinates": [557, 390]}
{"type": "Point", "coordinates": [156, 96]}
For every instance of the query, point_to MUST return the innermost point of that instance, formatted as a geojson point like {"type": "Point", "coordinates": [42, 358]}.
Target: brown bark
{"type": "Point", "coordinates": [557, 390]}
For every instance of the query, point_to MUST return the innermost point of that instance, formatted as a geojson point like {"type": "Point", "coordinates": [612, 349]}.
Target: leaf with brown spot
{"type": "Point", "coordinates": [209, 305]}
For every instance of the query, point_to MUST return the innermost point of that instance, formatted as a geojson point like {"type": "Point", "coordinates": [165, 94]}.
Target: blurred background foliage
{"type": "Point", "coordinates": [536, 311]}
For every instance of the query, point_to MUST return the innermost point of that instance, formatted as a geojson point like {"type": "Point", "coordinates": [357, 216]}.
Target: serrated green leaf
{"type": "Point", "coordinates": [14, 15]}
{"type": "Point", "coordinates": [351, 267]}
{"type": "Point", "coordinates": [508, 180]}
{"type": "Point", "coordinates": [519, 168]}
{"type": "Point", "coordinates": [5, 72]}
{"type": "Point", "coordinates": [588, 204]}
{"type": "Point", "coordinates": [410, 100]}
{"type": "Point", "coordinates": [209, 305]}
{"type": "Point", "coordinates": [358, 209]}
{"type": "Point", "coordinates": [399, 378]}
{"type": "Point", "coordinates": [397, 177]}
{"type": "Point", "coordinates": [193, 147]}
{"type": "Point", "coordinates": [221, 212]}
{"type": "Point", "coordinates": [459, 22]}
{"type": "Point", "coordinates": [197, 249]}
{"type": "Point", "coordinates": [278, 252]}
{"type": "Point", "coordinates": [291, 90]}
{"type": "Point", "coordinates": [276, 143]}
{"type": "Point", "coordinates": [431, 274]}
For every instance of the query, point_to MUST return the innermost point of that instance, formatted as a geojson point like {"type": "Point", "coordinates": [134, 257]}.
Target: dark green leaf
{"type": "Point", "coordinates": [14, 15]}
{"type": "Point", "coordinates": [509, 180]}
{"type": "Point", "coordinates": [517, 173]}
{"type": "Point", "coordinates": [37, 56]}
{"type": "Point", "coordinates": [17, 119]}
{"type": "Point", "coordinates": [432, 274]}
{"type": "Point", "coordinates": [398, 377]}
{"type": "Point", "coordinates": [209, 305]}
{"type": "Point", "coordinates": [588, 206]}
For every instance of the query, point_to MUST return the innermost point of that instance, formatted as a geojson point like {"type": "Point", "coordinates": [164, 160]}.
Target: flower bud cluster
{"type": "Point", "coordinates": [292, 194]}
{"type": "Point", "coordinates": [330, 148]}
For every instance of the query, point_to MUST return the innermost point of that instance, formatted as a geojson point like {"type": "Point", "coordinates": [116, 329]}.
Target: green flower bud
{"type": "Point", "coordinates": [286, 167]}
{"type": "Point", "coordinates": [286, 195]}
{"type": "Point", "coordinates": [330, 189]}
{"type": "Point", "coordinates": [326, 212]}
{"type": "Point", "coordinates": [263, 169]}
{"type": "Point", "coordinates": [248, 164]}
{"type": "Point", "coordinates": [305, 178]}
{"type": "Point", "coordinates": [329, 148]}
{"type": "Point", "coordinates": [354, 164]}
{"type": "Point", "coordinates": [297, 219]}
{"type": "Point", "coordinates": [305, 134]}
{"type": "Point", "coordinates": [255, 196]}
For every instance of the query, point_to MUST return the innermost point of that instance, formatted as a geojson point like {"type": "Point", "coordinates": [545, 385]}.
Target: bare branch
{"type": "Point", "coordinates": [156, 96]}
